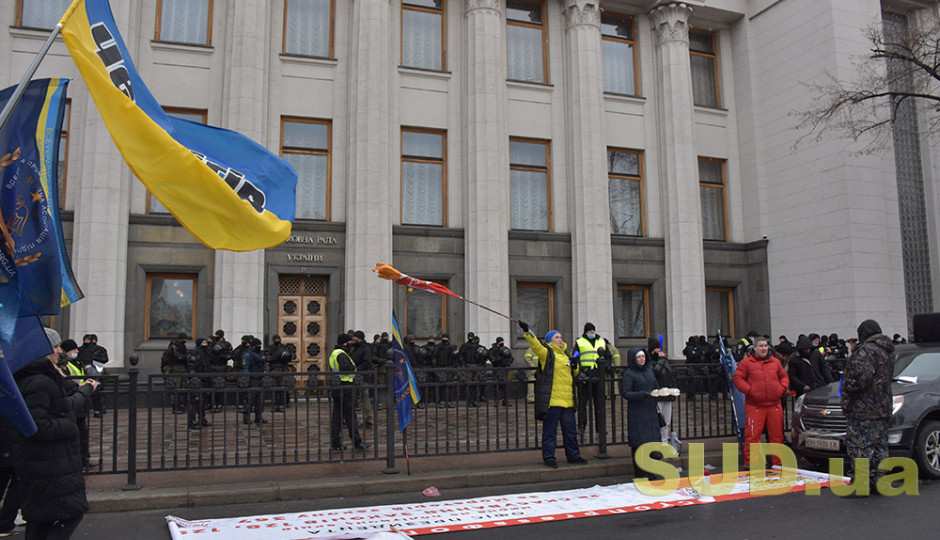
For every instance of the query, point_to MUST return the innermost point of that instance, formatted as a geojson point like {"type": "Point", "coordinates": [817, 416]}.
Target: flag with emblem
{"type": "Point", "coordinates": [406, 387]}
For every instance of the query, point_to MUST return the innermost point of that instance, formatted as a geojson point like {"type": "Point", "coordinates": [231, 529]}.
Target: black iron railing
{"type": "Point", "coordinates": [156, 424]}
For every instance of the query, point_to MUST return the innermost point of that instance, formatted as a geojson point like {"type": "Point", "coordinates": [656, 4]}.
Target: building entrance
{"type": "Point", "coordinates": [301, 319]}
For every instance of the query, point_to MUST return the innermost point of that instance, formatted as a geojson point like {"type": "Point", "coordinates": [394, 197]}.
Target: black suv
{"type": "Point", "coordinates": [818, 429]}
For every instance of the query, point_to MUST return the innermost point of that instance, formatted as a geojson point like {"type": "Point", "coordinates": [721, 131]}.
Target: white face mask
{"type": "Point", "coordinates": [73, 355]}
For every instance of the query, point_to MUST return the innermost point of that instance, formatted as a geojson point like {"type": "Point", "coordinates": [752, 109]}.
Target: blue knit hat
{"type": "Point", "coordinates": [550, 335]}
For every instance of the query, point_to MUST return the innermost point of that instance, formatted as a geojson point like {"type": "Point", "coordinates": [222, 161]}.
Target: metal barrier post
{"type": "Point", "coordinates": [602, 416]}
{"type": "Point", "coordinates": [390, 418]}
{"type": "Point", "coordinates": [132, 373]}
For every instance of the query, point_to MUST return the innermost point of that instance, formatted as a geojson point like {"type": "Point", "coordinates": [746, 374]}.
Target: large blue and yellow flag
{"type": "Point", "coordinates": [406, 387]}
{"type": "Point", "coordinates": [227, 190]}
{"type": "Point", "coordinates": [35, 274]}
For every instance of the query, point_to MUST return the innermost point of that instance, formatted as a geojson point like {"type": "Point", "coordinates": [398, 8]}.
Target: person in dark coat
{"type": "Point", "coordinates": [642, 415]}
{"type": "Point", "coordinates": [867, 398]}
{"type": "Point", "coordinates": [803, 375]}
{"type": "Point", "coordinates": [49, 477]}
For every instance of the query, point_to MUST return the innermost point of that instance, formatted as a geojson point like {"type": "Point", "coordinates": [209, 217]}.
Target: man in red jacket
{"type": "Point", "coordinates": [763, 381]}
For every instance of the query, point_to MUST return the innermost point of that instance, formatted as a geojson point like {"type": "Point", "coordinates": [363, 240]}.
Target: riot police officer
{"type": "Point", "coordinates": [279, 358]}
{"type": "Point", "coordinates": [220, 357]}
{"type": "Point", "coordinates": [253, 362]}
{"type": "Point", "coordinates": [501, 358]}
{"type": "Point", "coordinates": [197, 363]}
{"type": "Point", "coordinates": [173, 361]}
{"type": "Point", "coordinates": [445, 359]}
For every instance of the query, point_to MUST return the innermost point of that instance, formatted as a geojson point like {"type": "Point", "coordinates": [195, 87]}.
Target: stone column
{"type": "Point", "coordinates": [371, 182]}
{"type": "Point", "coordinates": [682, 210]}
{"type": "Point", "coordinates": [487, 179]}
{"type": "Point", "coordinates": [99, 239]}
{"type": "Point", "coordinates": [239, 277]}
{"type": "Point", "coordinates": [592, 289]}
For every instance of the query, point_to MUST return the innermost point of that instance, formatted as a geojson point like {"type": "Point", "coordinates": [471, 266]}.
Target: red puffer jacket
{"type": "Point", "coordinates": [763, 382]}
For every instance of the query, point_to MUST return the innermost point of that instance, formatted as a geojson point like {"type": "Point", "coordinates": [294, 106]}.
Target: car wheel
{"type": "Point", "coordinates": [927, 450]}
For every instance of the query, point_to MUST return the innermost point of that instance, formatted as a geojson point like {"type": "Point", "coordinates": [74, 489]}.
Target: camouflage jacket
{"type": "Point", "coordinates": [866, 382]}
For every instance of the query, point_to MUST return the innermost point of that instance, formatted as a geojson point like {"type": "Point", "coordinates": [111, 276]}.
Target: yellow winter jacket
{"type": "Point", "coordinates": [562, 381]}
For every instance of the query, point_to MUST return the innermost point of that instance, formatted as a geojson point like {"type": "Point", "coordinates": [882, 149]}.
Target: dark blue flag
{"type": "Point", "coordinates": [35, 274]}
{"type": "Point", "coordinates": [406, 387]}
{"type": "Point", "coordinates": [29, 343]}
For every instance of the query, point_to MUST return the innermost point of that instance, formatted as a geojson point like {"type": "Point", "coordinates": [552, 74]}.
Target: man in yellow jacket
{"type": "Point", "coordinates": [554, 396]}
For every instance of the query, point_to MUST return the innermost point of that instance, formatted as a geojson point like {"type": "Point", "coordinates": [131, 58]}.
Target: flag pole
{"type": "Point", "coordinates": [30, 71]}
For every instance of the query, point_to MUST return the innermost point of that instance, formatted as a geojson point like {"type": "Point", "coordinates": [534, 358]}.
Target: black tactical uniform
{"type": "Point", "coordinates": [197, 363]}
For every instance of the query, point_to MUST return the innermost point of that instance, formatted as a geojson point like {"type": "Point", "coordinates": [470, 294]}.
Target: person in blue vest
{"type": "Point", "coordinates": [343, 395]}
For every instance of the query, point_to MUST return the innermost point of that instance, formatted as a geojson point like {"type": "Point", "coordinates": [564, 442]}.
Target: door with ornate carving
{"type": "Point", "coordinates": [301, 319]}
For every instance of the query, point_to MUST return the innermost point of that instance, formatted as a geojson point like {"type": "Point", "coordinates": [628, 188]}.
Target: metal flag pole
{"type": "Point", "coordinates": [30, 71]}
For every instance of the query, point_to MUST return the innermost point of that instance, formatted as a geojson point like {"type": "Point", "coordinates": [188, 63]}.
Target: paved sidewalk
{"type": "Point", "coordinates": [346, 479]}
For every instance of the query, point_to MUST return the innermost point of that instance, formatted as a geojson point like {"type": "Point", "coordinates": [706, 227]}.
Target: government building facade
{"type": "Point", "coordinates": [632, 163]}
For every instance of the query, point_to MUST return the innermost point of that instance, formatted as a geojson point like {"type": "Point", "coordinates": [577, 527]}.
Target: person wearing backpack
{"type": "Point", "coordinates": [554, 396]}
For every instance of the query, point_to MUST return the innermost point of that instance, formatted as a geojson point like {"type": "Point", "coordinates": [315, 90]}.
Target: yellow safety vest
{"type": "Point", "coordinates": [75, 371]}
{"type": "Point", "coordinates": [588, 352]}
{"type": "Point", "coordinates": [334, 365]}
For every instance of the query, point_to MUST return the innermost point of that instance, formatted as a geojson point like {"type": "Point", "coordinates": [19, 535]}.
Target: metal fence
{"type": "Point", "coordinates": [147, 424]}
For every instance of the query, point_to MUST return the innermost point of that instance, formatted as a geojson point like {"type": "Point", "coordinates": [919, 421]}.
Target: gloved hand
{"type": "Point", "coordinates": [230, 363]}
{"type": "Point", "coordinates": [523, 325]}
{"type": "Point", "coordinates": [648, 395]}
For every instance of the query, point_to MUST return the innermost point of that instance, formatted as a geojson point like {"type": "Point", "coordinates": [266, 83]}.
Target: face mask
{"type": "Point", "coordinates": [73, 355]}
{"type": "Point", "coordinates": [591, 335]}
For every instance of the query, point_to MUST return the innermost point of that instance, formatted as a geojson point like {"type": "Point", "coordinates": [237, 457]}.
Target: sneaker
{"type": "Point", "coordinates": [551, 464]}
{"type": "Point", "coordinates": [578, 461]}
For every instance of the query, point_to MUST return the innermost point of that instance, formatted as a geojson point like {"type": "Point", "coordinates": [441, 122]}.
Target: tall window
{"type": "Point", "coordinates": [64, 152]}
{"type": "Point", "coordinates": [526, 40]}
{"type": "Point", "coordinates": [536, 306]}
{"type": "Point", "coordinates": [184, 21]}
{"type": "Point", "coordinates": [704, 51]}
{"type": "Point", "coordinates": [633, 311]}
{"type": "Point", "coordinates": [618, 48]}
{"type": "Point", "coordinates": [305, 144]}
{"type": "Point", "coordinates": [625, 191]}
{"type": "Point", "coordinates": [425, 313]}
{"type": "Point", "coordinates": [43, 14]}
{"type": "Point", "coordinates": [711, 177]}
{"type": "Point", "coordinates": [529, 178]}
{"type": "Point", "coordinates": [308, 28]}
{"type": "Point", "coordinates": [171, 305]}
{"type": "Point", "coordinates": [423, 177]}
{"type": "Point", "coordinates": [423, 34]}
{"type": "Point", "coordinates": [719, 311]}
{"type": "Point", "coordinates": [154, 206]}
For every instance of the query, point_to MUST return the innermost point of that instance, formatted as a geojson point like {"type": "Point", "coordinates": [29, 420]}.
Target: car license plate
{"type": "Point", "coordinates": [823, 444]}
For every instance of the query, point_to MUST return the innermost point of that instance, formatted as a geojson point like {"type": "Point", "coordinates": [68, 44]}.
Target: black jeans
{"type": "Point", "coordinates": [344, 409]}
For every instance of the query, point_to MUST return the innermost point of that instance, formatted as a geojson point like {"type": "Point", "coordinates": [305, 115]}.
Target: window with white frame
{"type": "Point", "coordinates": [618, 49]}
{"type": "Point", "coordinates": [305, 144]}
{"type": "Point", "coordinates": [308, 28]}
{"type": "Point", "coordinates": [526, 41]}
{"type": "Point", "coordinates": [423, 177]}
{"type": "Point", "coordinates": [184, 21]}
{"type": "Point", "coordinates": [625, 191]}
{"type": "Point", "coordinates": [422, 34]}
{"type": "Point", "coordinates": [529, 178]}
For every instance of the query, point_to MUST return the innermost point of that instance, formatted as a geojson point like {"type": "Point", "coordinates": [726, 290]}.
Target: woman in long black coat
{"type": "Point", "coordinates": [642, 415]}
{"type": "Point", "coordinates": [49, 477]}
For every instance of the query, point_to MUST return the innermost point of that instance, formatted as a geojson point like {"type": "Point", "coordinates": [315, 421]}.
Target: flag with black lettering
{"type": "Point", "coordinates": [227, 190]}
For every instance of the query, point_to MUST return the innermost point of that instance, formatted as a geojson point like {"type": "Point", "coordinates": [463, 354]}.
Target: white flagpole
{"type": "Point", "coordinates": [30, 71]}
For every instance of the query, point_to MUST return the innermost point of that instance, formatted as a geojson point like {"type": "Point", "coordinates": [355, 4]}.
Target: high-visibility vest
{"type": "Point", "coordinates": [334, 365]}
{"type": "Point", "coordinates": [76, 371]}
{"type": "Point", "coordinates": [588, 351]}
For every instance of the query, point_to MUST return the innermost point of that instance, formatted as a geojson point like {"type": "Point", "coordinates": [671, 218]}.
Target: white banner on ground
{"type": "Point", "coordinates": [484, 512]}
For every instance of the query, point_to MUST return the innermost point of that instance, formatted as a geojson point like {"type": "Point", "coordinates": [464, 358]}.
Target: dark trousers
{"type": "Point", "coordinates": [82, 422]}
{"type": "Point", "coordinates": [11, 500]}
{"type": "Point", "coordinates": [638, 472]}
{"type": "Point", "coordinates": [52, 530]}
{"type": "Point", "coordinates": [569, 433]}
{"type": "Point", "coordinates": [590, 392]}
{"type": "Point", "coordinates": [343, 409]}
{"type": "Point", "coordinates": [196, 408]}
